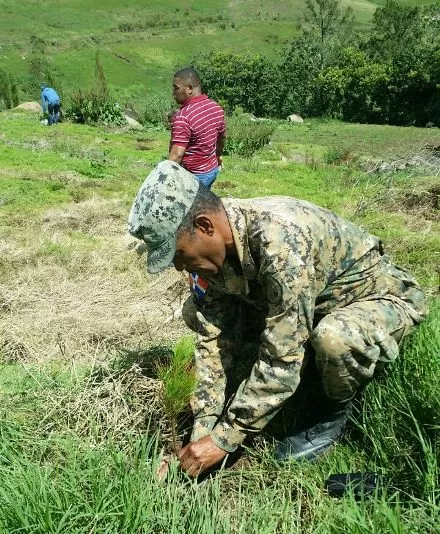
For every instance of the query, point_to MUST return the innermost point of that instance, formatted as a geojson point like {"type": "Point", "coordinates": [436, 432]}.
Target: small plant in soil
{"type": "Point", "coordinates": [179, 382]}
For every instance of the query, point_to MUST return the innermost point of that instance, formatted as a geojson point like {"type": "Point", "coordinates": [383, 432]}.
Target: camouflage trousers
{"type": "Point", "coordinates": [352, 343]}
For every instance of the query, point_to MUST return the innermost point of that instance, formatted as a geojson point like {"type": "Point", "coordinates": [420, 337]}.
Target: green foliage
{"type": "Point", "coordinates": [92, 107]}
{"type": "Point", "coordinates": [244, 137]}
{"type": "Point", "coordinates": [299, 70]}
{"type": "Point", "coordinates": [338, 156]}
{"type": "Point", "coordinates": [8, 90]}
{"type": "Point", "coordinates": [396, 27]}
{"type": "Point", "coordinates": [355, 88]}
{"type": "Point", "coordinates": [178, 378]}
{"type": "Point", "coordinates": [326, 21]}
{"type": "Point", "coordinates": [95, 106]}
{"type": "Point", "coordinates": [248, 81]}
{"type": "Point", "coordinates": [158, 111]}
{"type": "Point", "coordinates": [41, 70]}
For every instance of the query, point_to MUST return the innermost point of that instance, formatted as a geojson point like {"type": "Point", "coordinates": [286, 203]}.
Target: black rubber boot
{"type": "Point", "coordinates": [318, 438]}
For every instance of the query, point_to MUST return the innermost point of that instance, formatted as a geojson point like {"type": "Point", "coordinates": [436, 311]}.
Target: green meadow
{"type": "Point", "coordinates": [85, 414]}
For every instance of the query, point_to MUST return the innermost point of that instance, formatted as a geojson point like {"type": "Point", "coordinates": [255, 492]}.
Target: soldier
{"type": "Point", "coordinates": [327, 302]}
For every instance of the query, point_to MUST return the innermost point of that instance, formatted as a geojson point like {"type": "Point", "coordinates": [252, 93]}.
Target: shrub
{"type": "Point", "coordinates": [8, 90]}
{"type": "Point", "coordinates": [244, 138]}
{"type": "Point", "coordinates": [157, 112]}
{"type": "Point", "coordinates": [247, 81]}
{"type": "Point", "coordinates": [338, 156]}
{"type": "Point", "coordinates": [93, 107]}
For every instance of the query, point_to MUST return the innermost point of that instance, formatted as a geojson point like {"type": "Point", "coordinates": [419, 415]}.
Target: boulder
{"type": "Point", "coordinates": [295, 118]}
{"type": "Point", "coordinates": [33, 107]}
{"type": "Point", "coordinates": [132, 123]}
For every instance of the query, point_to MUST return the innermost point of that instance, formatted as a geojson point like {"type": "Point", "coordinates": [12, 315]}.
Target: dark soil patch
{"type": "Point", "coordinates": [143, 144]}
{"type": "Point", "coordinates": [226, 184]}
{"type": "Point", "coordinates": [423, 202]}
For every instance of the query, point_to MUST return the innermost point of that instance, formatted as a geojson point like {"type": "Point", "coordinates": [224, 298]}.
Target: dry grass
{"type": "Point", "coordinates": [110, 405]}
{"type": "Point", "coordinates": [78, 288]}
{"type": "Point", "coordinates": [421, 200]}
{"type": "Point", "coordinates": [408, 183]}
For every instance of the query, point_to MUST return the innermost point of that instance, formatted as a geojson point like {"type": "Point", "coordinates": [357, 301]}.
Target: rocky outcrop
{"type": "Point", "coordinates": [33, 107]}
{"type": "Point", "coordinates": [295, 118]}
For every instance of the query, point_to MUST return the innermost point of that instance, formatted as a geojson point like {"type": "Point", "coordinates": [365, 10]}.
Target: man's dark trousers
{"type": "Point", "coordinates": [54, 113]}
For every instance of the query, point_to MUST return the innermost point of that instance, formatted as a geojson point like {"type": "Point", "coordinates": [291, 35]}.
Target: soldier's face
{"type": "Point", "coordinates": [201, 253]}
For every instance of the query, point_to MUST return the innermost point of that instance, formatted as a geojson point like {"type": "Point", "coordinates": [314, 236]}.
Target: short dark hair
{"type": "Point", "coordinates": [205, 202]}
{"type": "Point", "coordinates": [190, 76]}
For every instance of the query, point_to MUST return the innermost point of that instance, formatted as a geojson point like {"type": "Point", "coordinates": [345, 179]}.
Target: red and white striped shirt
{"type": "Point", "coordinates": [197, 126]}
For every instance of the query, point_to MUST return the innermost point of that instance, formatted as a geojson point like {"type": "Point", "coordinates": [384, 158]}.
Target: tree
{"type": "Point", "coordinates": [237, 80]}
{"type": "Point", "coordinates": [325, 20]}
{"type": "Point", "coordinates": [396, 29]}
{"type": "Point", "coordinates": [299, 71]}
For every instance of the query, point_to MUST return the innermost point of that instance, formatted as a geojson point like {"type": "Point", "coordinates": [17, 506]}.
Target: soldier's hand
{"type": "Point", "coordinates": [199, 456]}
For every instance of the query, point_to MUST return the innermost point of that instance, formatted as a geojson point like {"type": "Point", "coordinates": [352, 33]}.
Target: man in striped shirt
{"type": "Point", "coordinates": [198, 128]}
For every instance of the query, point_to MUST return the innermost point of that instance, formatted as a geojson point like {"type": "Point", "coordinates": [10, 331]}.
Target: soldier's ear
{"type": "Point", "coordinates": [204, 224]}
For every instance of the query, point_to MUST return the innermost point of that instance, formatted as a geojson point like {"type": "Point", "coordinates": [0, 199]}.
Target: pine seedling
{"type": "Point", "coordinates": [178, 378]}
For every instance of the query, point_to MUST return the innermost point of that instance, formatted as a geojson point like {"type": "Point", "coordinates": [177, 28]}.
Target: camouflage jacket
{"type": "Point", "coordinates": [306, 261]}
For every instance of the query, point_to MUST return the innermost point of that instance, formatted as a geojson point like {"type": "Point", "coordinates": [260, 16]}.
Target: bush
{"type": "Point", "coordinates": [94, 107]}
{"type": "Point", "coordinates": [8, 90]}
{"type": "Point", "coordinates": [157, 112]}
{"type": "Point", "coordinates": [244, 138]}
{"type": "Point", "coordinates": [250, 82]}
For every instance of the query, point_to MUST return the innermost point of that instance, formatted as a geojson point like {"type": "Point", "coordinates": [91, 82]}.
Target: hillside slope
{"type": "Point", "coordinates": [141, 42]}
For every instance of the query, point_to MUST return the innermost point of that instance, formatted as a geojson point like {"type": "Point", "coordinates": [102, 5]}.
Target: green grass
{"type": "Point", "coordinates": [61, 482]}
{"type": "Point", "coordinates": [368, 140]}
{"type": "Point", "coordinates": [81, 418]}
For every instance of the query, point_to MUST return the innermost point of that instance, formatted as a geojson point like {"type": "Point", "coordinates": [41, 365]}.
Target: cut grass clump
{"type": "Point", "coordinates": [110, 405]}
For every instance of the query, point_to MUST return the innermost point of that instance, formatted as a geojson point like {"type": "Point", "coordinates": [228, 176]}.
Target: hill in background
{"type": "Point", "coordinates": [142, 42]}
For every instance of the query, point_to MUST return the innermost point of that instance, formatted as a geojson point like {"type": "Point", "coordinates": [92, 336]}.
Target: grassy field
{"type": "Point", "coordinates": [142, 43]}
{"type": "Point", "coordinates": [82, 420]}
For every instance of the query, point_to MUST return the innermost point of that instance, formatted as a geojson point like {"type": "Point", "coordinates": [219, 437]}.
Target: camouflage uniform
{"type": "Point", "coordinates": [313, 278]}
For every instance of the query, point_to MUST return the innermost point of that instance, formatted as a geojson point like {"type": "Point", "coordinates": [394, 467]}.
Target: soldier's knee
{"type": "Point", "coordinates": [328, 338]}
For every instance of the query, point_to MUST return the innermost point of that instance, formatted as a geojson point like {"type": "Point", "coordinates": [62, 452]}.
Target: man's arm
{"type": "Point", "coordinates": [276, 374]}
{"type": "Point", "coordinates": [180, 136]}
{"type": "Point", "coordinates": [220, 146]}
{"type": "Point", "coordinates": [176, 153]}
{"type": "Point", "coordinates": [211, 317]}
{"type": "Point", "coordinates": [43, 103]}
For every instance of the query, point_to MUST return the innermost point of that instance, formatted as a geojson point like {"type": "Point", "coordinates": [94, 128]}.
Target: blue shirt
{"type": "Point", "coordinates": [49, 96]}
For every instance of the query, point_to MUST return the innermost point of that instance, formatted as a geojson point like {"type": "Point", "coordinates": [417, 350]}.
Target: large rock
{"type": "Point", "coordinates": [132, 123]}
{"type": "Point", "coordinates": [33, 107]}
{"type": "Point", "coordinates": [295, 118]}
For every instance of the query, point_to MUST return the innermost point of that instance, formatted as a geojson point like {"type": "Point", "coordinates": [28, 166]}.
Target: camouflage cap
{"type": "Point", "coordinates": [158, 210]}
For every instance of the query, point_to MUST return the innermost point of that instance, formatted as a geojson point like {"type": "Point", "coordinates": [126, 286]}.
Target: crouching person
{"type": "Point", "coordinates": [328, 305]}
